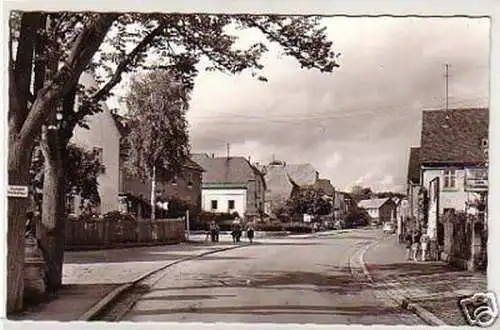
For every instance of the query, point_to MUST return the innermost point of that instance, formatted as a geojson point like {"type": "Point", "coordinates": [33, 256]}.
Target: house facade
{"type": "Point", "coordinates": [231, 184]}
{"type": "Point", "coordinates": [453, 160]}
{"type": "Point", "coordinates": [185, 187]}
{"type": "Point", "coordinates": [102, 137]}
{"type": "Point", "coordinates": [283, 179]}
{"type": "Point", "coordinates": [380, 210]}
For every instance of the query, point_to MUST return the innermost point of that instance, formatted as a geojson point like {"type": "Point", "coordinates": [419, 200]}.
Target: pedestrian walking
{"type": "Point", "coordinates": [408, 241]}
{"type": "Point", "coordinates": [424, 244]}
{"type": "Point", "coordinates": [415, 245]}
{"type": "Point", "coordinates": [213, 231]}
{"type": "Point", "coordinates": [236, 230]}
{"type": "Point", "coordinates": [250, 231]}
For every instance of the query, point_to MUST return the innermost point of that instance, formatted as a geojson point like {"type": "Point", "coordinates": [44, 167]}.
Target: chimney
{"type": "Point", "coordinates": [249, 159]}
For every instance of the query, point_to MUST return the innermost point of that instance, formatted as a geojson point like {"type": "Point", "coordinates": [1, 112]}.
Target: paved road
{"type": "Point", "coordinates": [296, 280]}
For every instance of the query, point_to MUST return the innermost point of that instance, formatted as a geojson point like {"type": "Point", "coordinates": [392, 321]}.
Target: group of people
{"type": "Point", "coordinates": [417, 244]}
{"type": "Point", "coordinates": [236, 231]}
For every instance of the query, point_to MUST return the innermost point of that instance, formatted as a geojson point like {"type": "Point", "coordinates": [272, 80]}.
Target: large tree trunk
{"type": "Point", "coordinates": [52, 228]}
{"type": "Point", "coordinates": [18, 175]}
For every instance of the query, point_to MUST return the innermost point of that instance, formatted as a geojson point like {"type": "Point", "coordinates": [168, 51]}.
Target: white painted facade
{"type": "Point", "coordinates": [103, 134]}
{"type": "Point", "coordinates": [222, 198]}
{"type": "Point", "coordinates": [448, 197]}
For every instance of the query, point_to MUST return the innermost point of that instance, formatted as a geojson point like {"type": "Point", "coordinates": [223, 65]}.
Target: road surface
{"type": "Point", "coordinates": [307, 280]}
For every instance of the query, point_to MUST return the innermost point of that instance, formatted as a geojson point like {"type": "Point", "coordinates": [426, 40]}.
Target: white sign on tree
{"type": "Point", "coordinates": [17, 191]}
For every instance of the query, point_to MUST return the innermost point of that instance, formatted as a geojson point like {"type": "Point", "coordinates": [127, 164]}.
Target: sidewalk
{"type": "Point", "coordinates": [435, 286]}
{"type": "Point", "coordinates": [88, 276]}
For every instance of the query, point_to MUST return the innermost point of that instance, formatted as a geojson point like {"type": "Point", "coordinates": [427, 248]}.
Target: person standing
{"type": "Point", "coordinates": [250, 231]}
{"type": "Point", "coordinates": [415, 244]}
{"type": "Point", "coordinates": [424, 244]}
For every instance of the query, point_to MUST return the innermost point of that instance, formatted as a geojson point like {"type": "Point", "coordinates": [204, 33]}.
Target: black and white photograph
{"type": "Point", "coordinates": [278, 167]}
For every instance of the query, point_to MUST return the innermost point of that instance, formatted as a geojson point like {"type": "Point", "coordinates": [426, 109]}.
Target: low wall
{"type": "Point", "coordinates": [107, 233]}
{"type": "Point", "coordinates": [458, 241]}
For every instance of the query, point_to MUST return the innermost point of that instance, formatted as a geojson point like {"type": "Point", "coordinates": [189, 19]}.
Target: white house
{"type": "Point", "coordinates": [452, 157]}
{"type": "Point", "coordinates": [103, 137]}
{"type": "Point", "coordinates": [231, 184]}
{"type": "Point", "coordinates": [380, 210]}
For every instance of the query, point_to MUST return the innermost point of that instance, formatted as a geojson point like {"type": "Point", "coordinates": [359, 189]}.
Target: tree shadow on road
{"type": "Point", "coordinates": [145, 256]}
{"type": "Point", "coordinates": [359, 310]}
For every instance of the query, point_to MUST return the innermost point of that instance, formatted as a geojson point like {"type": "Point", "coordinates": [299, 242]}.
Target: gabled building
{"type": "Point", "coordinates": [380, 210]}
{"type": "Point", "coordinates": [103, 138]}
{"type": "Point", "coordinates": [453, 160]}
{"type": "Point", "coordinates": [231, 184]}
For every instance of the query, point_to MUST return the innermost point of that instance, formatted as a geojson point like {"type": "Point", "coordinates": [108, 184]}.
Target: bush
{"type": "Point", "coordinates": [269, 227]}
{"type": "Point", "coordinates": [118, 216]}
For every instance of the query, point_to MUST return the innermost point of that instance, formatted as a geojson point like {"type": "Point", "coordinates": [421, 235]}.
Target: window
{"type": "Point", "coordinates": [99, 155]}
{"type": "Point", "coordinates": [189, 179]}
{"type": "Point", "coordinates": [213, 205]}
{"type": "Point", "coordinates": [230, 204]}
{"type": "Point", "coordinates": [71, 204]}
{"type": "Point", "coordinates": [450, 179]}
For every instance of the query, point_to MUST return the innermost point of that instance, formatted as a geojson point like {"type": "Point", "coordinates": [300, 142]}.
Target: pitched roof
{"type": "Point", "coordinates": [373, 203]}
{"type": "Point", "coordinates": [279, 183]}
{"type": "Point", "coordinates": [223, 170]}
{"type": "Point", "coordinates": [453, 139]}
{"type": "Point", "coordinates": [302, 174]}
{"type": "Point", "coordinates": [413, 174]}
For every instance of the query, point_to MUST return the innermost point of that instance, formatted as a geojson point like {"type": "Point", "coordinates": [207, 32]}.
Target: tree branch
{"type": "Point", "coordinates": [117, 76]}
{"type": "Point", "coordinates": [23, 67]}
{"type": "Point", "coordinates": [82, 51]}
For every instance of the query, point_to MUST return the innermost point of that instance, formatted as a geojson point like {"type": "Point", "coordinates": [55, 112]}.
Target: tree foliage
{"type": "Point", "coordinates": [309, 200]}
{"type": "Point", "coordinates": [82, 168]}
{"type": "Point", "coordinates": [157, 128]}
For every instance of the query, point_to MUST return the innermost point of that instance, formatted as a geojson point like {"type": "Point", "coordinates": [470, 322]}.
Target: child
{"type": "Point", "coordinates": [424, 243]}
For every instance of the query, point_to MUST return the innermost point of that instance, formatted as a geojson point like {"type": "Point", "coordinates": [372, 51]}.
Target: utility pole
{"type": "Point", "coordinates": [446, 76]}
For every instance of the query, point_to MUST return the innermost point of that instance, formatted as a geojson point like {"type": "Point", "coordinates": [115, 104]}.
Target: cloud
{"type": "Point", "coordinates": [357, 123]}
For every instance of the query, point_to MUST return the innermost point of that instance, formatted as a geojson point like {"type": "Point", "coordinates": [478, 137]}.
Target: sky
{"type": "Point", "coordinates": [355, 125]}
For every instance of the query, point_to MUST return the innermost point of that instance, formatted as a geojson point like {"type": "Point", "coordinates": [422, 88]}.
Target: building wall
{"type": "Point", "coordinates": [102, 133]}
{"type": "Point", "coordinates": [222, 196]}
{"type": "Point", "coordinates": [255, 196]}
{"type": "Point", "coordinates": [448, 198]}
{"type": "Point", "coordinates": [166, 191]}
{"type": "Point", "coordinates": [386, 212]}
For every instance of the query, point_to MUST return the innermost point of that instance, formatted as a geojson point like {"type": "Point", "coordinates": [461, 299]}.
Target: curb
{"type": "Point", "coordinates": [109, 298]}
{"type": "Point", "coordinates": [402, 301]}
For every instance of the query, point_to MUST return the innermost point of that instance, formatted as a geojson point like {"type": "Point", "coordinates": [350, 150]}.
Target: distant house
{"type": "Point", "coordinates": [380, 210]}
{"type": "Point", "coordinates": [283, 179]}
{"type": "Point", "coordinates": [343, 205]}
{"type": "Point", "coordinates": [280, 186]}
{"type": "Point", "coordinates": [413, 182]}
{"type": "Point", "coordinates": [103, 138]}
{"type": "Point", "coordinates": [453, 154]}
{"type": "Point", "coordinates": [231, 184]}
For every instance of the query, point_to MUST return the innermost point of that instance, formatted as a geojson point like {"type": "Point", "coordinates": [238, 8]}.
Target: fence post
{"type": "Point", "coordinates": [187, 225]}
